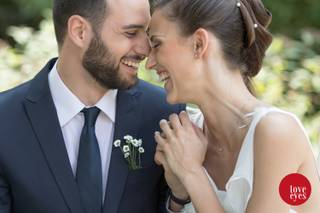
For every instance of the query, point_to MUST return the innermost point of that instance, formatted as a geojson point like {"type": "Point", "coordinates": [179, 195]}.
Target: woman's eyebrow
{"type": "Point", "coordinates": [153, 37]}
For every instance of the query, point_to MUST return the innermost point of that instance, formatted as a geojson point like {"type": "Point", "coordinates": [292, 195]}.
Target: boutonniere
{"type": "Point", "coordinates": [132, 150]}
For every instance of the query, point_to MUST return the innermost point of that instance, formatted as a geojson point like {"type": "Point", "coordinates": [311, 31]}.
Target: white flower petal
{"type": "Point", "coordinates": [117, 143]}
{"type": "Point", "coordinates": [135, 143]}
{"type": "Point", "coordinates": [141, 150]}
{"type": "Point", "coordinates": [128, 137]}
{"type": "Point", "coordinates": [126, 148]}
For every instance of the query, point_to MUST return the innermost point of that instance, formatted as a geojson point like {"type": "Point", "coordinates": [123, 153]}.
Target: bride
{"type": "Point", "coordinates": [206, 52]}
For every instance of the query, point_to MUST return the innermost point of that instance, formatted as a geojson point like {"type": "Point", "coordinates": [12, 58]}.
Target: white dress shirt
{"type": "Point", "coordinates": [71, 121]}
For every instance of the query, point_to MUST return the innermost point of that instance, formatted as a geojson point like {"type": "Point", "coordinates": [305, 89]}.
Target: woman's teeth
{"type": "Point", "coordinates": [163, 77]}
{"type": "Point", "coordinates": [130, 63]}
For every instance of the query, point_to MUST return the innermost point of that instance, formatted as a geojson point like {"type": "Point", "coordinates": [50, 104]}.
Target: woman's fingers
{"type": "Point", "coordinates": [159, 148]}
{"type": "Point", "coordinates": [162, 135]}
{"type": "Point", "coordinates": [159, 157]}
{"type": "Point", "coordinates": [160, 140]}
{"type": "Point", "coordinates": [185, 121]}
{"type": "Point", "coordinates": [165, 127]}
{"type": "Point", "coordinates": [199, 132]}
{"type": "Point", "coordinates": [174, 122]}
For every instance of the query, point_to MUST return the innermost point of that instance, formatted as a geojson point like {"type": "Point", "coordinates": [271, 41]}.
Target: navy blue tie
{"type": "Point", "coordinates": [89, 172]}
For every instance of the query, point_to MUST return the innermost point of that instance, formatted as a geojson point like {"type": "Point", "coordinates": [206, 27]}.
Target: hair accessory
{"type": "Point", "coordinates": [255, 26]}
{"type": "Point", "coordinates": [238, 4]}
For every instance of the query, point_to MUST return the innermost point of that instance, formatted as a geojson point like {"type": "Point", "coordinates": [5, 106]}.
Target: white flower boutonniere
{"type": "Point", "coordinates": [132, 150]}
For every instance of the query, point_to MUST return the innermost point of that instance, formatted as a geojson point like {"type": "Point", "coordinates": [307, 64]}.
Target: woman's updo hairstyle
{"type": "Point", "coordinates": [241, 26]}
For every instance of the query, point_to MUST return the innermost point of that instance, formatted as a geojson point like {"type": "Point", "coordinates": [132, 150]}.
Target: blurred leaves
{"type": "Point", "coordinates": [290, 78]}
{"type": "Point", "coordinates": [290, 15]}
{"type": "Point", "coordinates": [21, 12]}
{"type": "Point", "coordinates": [32, 51]}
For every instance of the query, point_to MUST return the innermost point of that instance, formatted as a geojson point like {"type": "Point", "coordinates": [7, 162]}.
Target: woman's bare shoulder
{"type": "Point", "coordinates": [280, 137]}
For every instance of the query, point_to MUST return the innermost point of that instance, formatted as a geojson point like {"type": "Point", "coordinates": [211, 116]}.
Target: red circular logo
{"type": "Point", "coordinates": [295, 189]}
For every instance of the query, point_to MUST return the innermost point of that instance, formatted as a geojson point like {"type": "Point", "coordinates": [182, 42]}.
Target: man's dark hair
{"type": "Point", "coordinates": [92, 10]}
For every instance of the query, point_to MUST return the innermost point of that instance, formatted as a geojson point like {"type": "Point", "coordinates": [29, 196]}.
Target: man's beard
{"type": "Point", "coordinates": [101, 64]}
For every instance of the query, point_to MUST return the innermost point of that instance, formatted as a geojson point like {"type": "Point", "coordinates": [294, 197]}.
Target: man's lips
{"type": "Point", "coordinates": [130, 63]}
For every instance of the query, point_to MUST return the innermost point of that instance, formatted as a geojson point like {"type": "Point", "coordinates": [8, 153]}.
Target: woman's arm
{"type": "Point", "coordinates": [203, 197]}
{"type": "Point", "coordinates": [280, 148]}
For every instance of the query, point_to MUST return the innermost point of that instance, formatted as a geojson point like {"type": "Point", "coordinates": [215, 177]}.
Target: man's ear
{"type": "Point", "coordinates": [79, 31]}
{"type": "Point", "coordinates": [200, 42]}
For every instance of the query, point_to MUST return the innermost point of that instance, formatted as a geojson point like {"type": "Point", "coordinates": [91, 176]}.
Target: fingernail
{"type": "Point", "coordinates": [183, 112]}
{"type": "Point", "coordinates": [163, 120]}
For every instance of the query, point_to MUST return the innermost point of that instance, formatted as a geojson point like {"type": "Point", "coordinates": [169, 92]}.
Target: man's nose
{"type": "Point", "coordinates": [143, 48]}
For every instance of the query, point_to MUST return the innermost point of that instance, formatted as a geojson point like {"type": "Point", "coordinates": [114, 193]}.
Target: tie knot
{"type": "Point", "coordinates": [90, 115]}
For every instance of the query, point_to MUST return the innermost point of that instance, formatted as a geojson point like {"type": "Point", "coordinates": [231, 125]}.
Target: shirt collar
{"type": "Point", "coordinates": [107, 104]}
{"type": "Point", "coordinates": [69, 105]}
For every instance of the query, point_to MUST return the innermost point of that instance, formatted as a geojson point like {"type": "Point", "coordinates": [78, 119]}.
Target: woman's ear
{"type": "Point", "coordinates": [79, 31]}
{"type": "Point", "coordinates": [200, 42]}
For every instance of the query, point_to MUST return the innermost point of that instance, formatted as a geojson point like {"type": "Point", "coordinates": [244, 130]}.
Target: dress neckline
{"type": "Point", "coordinates": [244, 143]}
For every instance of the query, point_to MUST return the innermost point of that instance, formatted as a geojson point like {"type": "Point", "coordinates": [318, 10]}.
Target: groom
{"type": "Point", "coordinates": [58, 130]}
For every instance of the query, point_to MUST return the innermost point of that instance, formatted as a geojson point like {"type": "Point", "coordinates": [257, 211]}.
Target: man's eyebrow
{"type": "Point", "coordinates": [133, 26]}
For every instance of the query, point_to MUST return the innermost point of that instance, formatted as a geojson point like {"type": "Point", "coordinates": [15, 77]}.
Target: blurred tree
{"type": "Point", "coordinates": [21, 12]}
{"type": "Point", "coordinates": [290, 77]}
{"type": "Point", "coordinates": [290, 16]}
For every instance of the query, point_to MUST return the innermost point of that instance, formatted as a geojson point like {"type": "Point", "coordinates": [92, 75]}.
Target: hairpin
{"type": "Point", "coordinates": [255, 26]}
{"type": "Point", "coordinates": [238, 4]}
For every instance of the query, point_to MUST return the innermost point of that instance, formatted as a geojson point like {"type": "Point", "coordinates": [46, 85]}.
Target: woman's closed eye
{"type": "Point", "coordinates": [155, 45]}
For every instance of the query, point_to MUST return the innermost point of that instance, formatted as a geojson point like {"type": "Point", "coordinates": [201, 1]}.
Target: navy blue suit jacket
{"type": "Point", "coordinates": [35, 172]}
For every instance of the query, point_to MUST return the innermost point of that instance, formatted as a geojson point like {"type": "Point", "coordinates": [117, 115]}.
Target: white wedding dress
{"type": "Point", "coordinates": [239, 186]}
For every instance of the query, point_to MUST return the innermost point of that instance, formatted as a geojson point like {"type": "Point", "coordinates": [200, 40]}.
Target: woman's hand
{"type": "Point", "coordinates": [183, 145]}
{"type": "Point", "coordinates": [172, 180]}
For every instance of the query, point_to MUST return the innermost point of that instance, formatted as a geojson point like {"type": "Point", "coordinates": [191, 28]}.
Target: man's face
{"type": "Point", "coordinates": [115, 52]}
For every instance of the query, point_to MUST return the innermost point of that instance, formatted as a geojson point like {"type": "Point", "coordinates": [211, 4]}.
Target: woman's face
{"type": "Point", "coordinates": [172, 56]}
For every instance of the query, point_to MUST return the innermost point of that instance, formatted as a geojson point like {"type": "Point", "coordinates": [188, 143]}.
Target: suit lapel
{"type": "Point", "coordinates": [43, 118]}
{"type": "Point", "coordinates": [126, 124]}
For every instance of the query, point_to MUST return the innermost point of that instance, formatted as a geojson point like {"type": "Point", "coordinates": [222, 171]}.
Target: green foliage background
{"type": "Point", "coordinates": [288, 15]}
{"type": "Point", "coordinates": [290, 78]}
